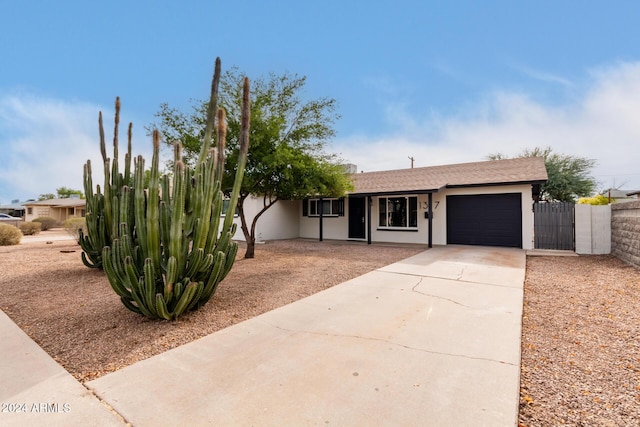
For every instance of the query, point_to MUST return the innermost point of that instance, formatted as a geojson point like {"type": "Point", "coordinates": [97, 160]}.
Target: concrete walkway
{"type": "Point", "coordinates": [433, 340]}
{"type": "Point", "coordinates": [36, 391]}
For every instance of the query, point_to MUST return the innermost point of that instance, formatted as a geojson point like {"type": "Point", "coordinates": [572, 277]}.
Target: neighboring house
{"type": "Point", "coordinates": [60, 209]}
{"type": "Point", "coordinates": [15, 208]}
{"type": "Point", "coordinates": [482, 203]}
{"type": "Point", "coordinates": [620, 195]}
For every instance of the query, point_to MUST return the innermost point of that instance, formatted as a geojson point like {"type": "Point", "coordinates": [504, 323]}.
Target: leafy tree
{"type": "Point", "coordinates": [568, 176]}
{"type": "Point", "coordinates": [46, 196]}
{"type": "Point", "coordinates": [65, 193]}
{"type": "Point", "coordinates": [287, 158]}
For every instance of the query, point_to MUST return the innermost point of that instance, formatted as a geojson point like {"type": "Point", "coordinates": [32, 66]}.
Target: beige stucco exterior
{"type": "Point", "coordinates": [337, 227]}
{"type": "Point", "coordinates": [59, 209]}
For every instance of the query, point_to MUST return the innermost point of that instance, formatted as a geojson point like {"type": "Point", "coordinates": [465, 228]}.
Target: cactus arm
{"type": "Point", "coordinates": [211, 113]}
{"type": "Point", "coordinates": [153, 232]}
{"type": "Point", "coordinates": [149, 285]}
{"type": "Point", "coordinates": [139, 196]}
{"type": "Point", "coordinates": [114, 280]}
{"type": "Point", "coordinates": [127, 303]}
{"type": "Point", "coordinates": [127, 157]}
{"type": "Point", "coordinates": [194, 300]}
{"type": "Point", "coordinates": [188, 294]}
{"type": "Point", "coordinates": [177, 215]}
{"type": "Point", "coordinates": [161, 308]}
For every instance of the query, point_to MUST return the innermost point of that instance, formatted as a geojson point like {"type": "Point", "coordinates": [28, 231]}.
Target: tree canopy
{"type": "Point", "coordinates": [568, 176]}
{"type": "Point", "coordinates": [62, 193]}
{"type": "Point", "coordinates": [288, 137]}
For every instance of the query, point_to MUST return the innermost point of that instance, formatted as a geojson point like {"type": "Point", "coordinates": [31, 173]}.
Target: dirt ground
{"type": "Point", "coordinates": [581, 322]}
{"type": "Point", "coordinates": [74, 315]}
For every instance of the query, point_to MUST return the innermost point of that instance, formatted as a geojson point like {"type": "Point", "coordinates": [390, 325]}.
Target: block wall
{"type": "Point", "coordinates": [625, 232]}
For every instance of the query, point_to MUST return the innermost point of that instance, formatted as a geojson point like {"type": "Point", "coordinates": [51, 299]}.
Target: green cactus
{"type": "Point", "coordinates": [167, 252]}
{"type": "Point", "coordinates": [102, 208]}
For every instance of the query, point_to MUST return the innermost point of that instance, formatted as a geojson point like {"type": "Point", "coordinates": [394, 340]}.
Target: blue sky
{"type": "Point", "coordinates": [443, 82]}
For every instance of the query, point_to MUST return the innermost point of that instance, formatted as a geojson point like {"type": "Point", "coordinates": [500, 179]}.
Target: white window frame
{"type": "Point", "coordinates": [225, 203]}
{"type": "Point", "coordinates": [387, 215]}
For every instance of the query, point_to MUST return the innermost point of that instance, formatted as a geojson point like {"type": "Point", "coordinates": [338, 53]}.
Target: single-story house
{"type": "Point", "coordinates": [15, 208]}
{"type": "Point", "coordinates": [481, 203]}
{"type": "Point", "coordinates": [620, 195]}
{"type": "Point", "coordinates": [60, 209]}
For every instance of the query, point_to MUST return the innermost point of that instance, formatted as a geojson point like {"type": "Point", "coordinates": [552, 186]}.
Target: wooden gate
{"type": "Point", "coordinates": [554, 225]}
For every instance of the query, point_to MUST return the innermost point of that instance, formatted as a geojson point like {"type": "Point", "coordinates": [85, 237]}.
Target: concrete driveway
{"type": "Point", "coordinates": [433, 340]}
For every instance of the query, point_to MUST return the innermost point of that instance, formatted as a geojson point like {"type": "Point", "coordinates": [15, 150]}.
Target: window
{"type": "Point", "coordinates": [398, 212]}
{"type": "Point", "coordinates": [329, 207]}
{"type": "Point", "coordinates": [225, 206]}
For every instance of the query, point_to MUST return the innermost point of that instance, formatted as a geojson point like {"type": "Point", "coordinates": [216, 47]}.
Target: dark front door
{"type": "Point", "coordinates": [356, 217]}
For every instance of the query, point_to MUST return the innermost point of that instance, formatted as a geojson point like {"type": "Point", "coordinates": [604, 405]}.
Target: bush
{"type": "Point", "coordinates": [72, 225]}
{"type": "Point", "coordinates": [598, 200]}
{"type": "Point", "coordinates": [29, 228]}
{"type": "Point", "coordinates": [46, 222]}
{"type": "Point", "coordinates": [9, 235]}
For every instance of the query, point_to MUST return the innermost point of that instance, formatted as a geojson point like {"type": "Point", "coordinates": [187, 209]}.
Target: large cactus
{"type": "Point", "coordinates": [176, 254]}
{"type": "Point", "coordinates": [101, 209]}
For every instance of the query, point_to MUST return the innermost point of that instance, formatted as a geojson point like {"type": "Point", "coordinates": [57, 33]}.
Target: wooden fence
{"type": "Point", "coordinates": [553, 226]}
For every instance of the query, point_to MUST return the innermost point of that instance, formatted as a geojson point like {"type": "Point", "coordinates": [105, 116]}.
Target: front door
{"type": "Point", "coordinates": [356, 217]}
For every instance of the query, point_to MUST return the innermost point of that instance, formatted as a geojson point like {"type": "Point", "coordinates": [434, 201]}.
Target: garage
{"type": "Point", "coordinates": [485, 219]}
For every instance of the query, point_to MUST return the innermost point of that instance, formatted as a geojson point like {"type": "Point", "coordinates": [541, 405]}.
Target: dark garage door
{"type": "Point", "coordinates": [487, 219]}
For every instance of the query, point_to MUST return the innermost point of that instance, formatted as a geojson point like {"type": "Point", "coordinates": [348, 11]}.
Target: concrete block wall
{"type": "Point", "coordinates": [593, 229]}
{"type": "Point", "coordinates": [625, 232]}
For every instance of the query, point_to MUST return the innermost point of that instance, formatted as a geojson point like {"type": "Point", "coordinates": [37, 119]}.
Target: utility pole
{"type": "Point", "coordinates": [412, 159]}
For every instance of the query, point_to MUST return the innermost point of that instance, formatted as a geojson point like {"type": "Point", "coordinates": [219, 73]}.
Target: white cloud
{"type": "Point", "coordinates": [602, 123]}
{"type": "Point", "coordinates": [46, 142]}
{"type": "Point", "coordinates": [542, 75]}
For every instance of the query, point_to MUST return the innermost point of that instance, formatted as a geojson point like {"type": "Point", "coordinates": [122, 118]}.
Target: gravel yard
{"type": "Point", "coordinates": [581, 324]}
{"type": "Point", "coordinates": [580, 344]}
{"type": "Point", "coordinates": [74, 315]}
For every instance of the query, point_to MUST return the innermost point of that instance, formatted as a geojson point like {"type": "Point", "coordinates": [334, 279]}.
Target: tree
{"type": "Point", "coordinates": [568, 176]}
{"type": "Point", "coordinates": [46, 196]}
{"type": "Point", "coordinates": [287, 158]}
{"type": "Point", "coordinates": [65, 193]}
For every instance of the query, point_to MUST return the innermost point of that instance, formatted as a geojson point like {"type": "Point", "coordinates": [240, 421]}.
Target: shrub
{"type": "Point", "coordinates": [9, 235]}
{"type": "Point", "coordinates": [595, 200]}
{"type": "Point", "coordinates": [29, 228]}
{"type": "Point", "coordinates": [72, 225]}
{"type": "Point", "coordinates": [46, 222]}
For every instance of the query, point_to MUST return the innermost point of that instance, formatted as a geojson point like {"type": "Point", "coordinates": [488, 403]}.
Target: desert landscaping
{"type": "Point", "coordinates": [580, 354]}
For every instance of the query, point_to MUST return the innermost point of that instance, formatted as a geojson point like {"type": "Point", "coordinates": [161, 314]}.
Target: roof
{"type": "Point", "coordinates": [59, 203]}
{"type": "Point", "coordinates": [525, 170]}
{"type": "Point", "coordinates": [13, 206]}
{"type": "Point", "coordinates": [618, 194]}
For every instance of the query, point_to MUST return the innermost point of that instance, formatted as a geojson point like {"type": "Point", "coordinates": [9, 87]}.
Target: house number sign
{"type": "Point", "coordinates": [425, 205]}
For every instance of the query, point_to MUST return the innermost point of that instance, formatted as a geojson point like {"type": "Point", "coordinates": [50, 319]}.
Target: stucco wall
{"type": "Point", "coordinates": [338, 227]}
{"type": "Point", "coordinates": [593, 229]}
{"type": "Point", "coordinates": [625, 232]}
{"type": "Point", "coordinates": [280, 221]}
{"type": "Point", "coordinates": [333, 227]}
